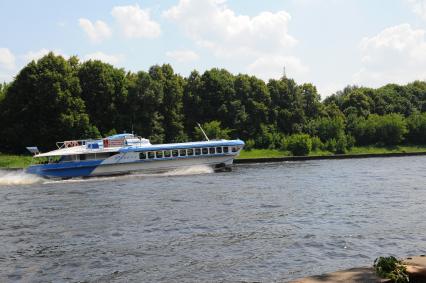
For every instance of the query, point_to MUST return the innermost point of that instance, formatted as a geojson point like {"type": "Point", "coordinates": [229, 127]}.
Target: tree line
{"type": "Point", "coordinates": [55, 99]}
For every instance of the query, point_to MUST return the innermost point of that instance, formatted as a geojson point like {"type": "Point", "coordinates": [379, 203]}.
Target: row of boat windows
{"type": "Point", "coordinates": [89, 156]}
{"type": "Point", "coordinates": [186, 152]}
{"type": "Point", "coordinates": [153, 154]}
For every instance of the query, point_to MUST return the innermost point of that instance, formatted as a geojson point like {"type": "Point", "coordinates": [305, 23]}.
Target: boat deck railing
{"type": "Point", "coordinates": [72, 143]}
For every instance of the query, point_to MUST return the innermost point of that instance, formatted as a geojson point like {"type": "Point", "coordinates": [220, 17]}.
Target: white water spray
{"type": "Point", "coordinates": [17, 177]}
{"type": "Point", "coordinates": [191, 170]}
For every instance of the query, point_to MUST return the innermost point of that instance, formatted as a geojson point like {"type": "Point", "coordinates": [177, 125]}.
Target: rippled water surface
{"type": "Point", "coordinates": [261, 222]}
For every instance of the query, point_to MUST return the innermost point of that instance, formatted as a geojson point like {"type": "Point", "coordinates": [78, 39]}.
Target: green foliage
{"type": "Point", "coordinates": [3, 90]}
{"type": "Point", "coordinates": [387, 129]}
{"type": "Point", "coordinates": [43, 105]}
{"type": "Point", "coordinates": [103, 89]}
{"type": "Point", "coordinates": [249, 145]}
{"type": "Point", "coordinates": [416, 124]}
{"type": "Point", "coordinates": [341, 144]}
{"type": "Point", "coordinates": [56, 99]}
{"type": "Point", "coordinates": [327, 128]}
{"type": "Point", "coordinates": [331, 145]}
{"type": "Point", "coordinates": [391, 268]}
{"type": "Point", "coordinates": [316, 143]}
{"type": "Point", "coordinates": [213, 130]}
{"type": "Point", "coordinates": [298, 144]}
{"type": "Point", "coordinates": [268, 137]}
{"type": "Point", "coordinates": [14, 161]}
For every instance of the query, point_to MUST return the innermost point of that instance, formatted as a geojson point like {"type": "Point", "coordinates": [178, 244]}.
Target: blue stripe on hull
{"type": "Point", "coordinates": [64, 170]}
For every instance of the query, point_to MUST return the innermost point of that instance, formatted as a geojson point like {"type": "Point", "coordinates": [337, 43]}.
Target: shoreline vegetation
{"type": "Point", "coordinates": [93, 99]}
{"type": "Point", "coordinates": [358, 150]}
{"type": "Point", "coordinates": [10, 161]}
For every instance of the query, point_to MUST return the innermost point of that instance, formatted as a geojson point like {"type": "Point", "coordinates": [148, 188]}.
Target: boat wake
{"type": "Point", "coordinates": [191, 170]}
{"type": "Point", "coordinates": [17, 177]}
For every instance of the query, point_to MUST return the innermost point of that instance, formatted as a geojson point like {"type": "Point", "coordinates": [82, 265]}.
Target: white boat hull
{"type": "Point", "coordinates": [161, 165]}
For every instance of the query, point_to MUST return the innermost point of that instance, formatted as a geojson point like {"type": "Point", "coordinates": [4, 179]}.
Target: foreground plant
{"type": "Point", "coordinates": [391, 268]}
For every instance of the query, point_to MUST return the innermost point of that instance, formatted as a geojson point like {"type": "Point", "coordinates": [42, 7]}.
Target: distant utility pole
{"type": "Point", "coordinates": [284, 74]}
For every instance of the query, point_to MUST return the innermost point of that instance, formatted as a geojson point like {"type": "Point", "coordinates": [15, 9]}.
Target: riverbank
{"type": "Point", "coordinates": [14, 161]}
{"type": "Point", "coordinates": [415, 266]}
{"type": "Point", "coordinates": [271, 155]}
{"type": "Point", "coordinates": [355, 151]}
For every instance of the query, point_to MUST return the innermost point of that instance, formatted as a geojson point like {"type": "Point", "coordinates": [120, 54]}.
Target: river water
{"type": "Point", "coordinates": [260, 222]}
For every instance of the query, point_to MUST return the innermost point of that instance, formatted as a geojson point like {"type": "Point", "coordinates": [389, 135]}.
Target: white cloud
{"type": "Point", "coordinates": [261, 43]}
{"type": "Point", "coordinates": [272, 67]}
{"type": "Point", "coordinates": [136, 22]}
{"type": "Point", "coordinates": [7, 59]}
{"type": "Point", "coordinates": [182, 55]}
{"type": "Point", "coordinates": [107, 58]}
{"type": "Point", "coordinates": [35, 55]}
{"type": "Point", "coordinates": [211, 24]}
{"type": "Point", "coordinates": [328, 89]}
{"type": "Point", "coordinates": [96, 32]}
{"type": "Point", "coordinates": [395, 55]}
{"type": "Point", "coordinates": [419, 7]}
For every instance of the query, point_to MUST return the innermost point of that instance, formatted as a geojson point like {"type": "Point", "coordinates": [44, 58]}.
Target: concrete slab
{"type": "Point", "coordinates": [416, 268]}
{"type": "Point", "coordinates": [353, 275]}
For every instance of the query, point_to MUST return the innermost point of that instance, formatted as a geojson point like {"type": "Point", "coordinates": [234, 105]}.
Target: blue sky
{"type": "Point", "coordinates": [331, 43]}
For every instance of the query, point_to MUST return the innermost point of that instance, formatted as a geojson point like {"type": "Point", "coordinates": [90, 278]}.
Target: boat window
{"type": "Point", "coordinates": [159, 154]}
{"type": "Point", "coordinates": [175, 153]}
{"type": "Point", "coordinates": [198, 151]}
{"type": "Point", "coordinates": [190, 151]}
{"type": "Point", "coordinates": [101, 155]}
{"type": "Point", "coordinates": [212, 150]}
{"type": "Point", "coordinates": [151, 154]}
{"type": "Point", "coordinates": [113, 153]}
{"type": "Point", "coordinates": [88, 157]}
{"type": "Point", "coordinates": [167, 153]}
{"type": "Point", "coordinates": [82, 156]}
{"type": "Point", "coordinates": [142, 155]}
{"type": "Point", "coordinates": [205, 150]}
{"type": "Point", "coordinates": [234, 149]}
{"type": "Point", "coordinates": [225, 149]}
{"type": "Point", "coordinates": [219, 149]}
{"type": "Point", "coordinates": [182, 152]}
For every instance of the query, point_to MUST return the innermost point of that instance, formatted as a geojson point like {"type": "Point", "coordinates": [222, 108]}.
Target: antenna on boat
{"type": "Point", "coordinates": [203, 131]}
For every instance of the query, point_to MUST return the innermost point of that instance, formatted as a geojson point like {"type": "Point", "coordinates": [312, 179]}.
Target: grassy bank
{"type": "Point", "coordinates": [14, 161]}
{"type": "Point", "coordinates": [268, 153]}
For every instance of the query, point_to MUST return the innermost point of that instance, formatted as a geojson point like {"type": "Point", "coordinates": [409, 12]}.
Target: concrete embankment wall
{"type": "Point", "coordinates": [337, 156]}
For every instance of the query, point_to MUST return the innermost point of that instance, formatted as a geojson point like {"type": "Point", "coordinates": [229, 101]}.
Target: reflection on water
{"type": "Point", "coordinates": [261, 222]}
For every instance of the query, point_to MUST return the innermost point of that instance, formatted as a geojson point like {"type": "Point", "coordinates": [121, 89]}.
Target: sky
{"type": "Point", "coordinates": [330, 43]}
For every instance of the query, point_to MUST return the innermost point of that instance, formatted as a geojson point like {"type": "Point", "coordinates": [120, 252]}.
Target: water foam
{"type": "Point", "coordinates": [191, 170]}
{"type": "Point", "coordinates": [17, 177]}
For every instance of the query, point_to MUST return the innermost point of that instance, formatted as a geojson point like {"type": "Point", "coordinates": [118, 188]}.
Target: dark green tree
{"type": "Point", "coordinates": [172, 106]}
{"type": "Point", "coordinates": [287, 105]}
{"type": "Point", "coordinates": [43, 105]}
{"type": "Point", "coordinates": [311, 101]}
{"type": "Point", "coordinates": [192, 102]}
{"type": "Point", "coordinates": [145, 102]}
{"type": "Point", "coordinates": [104, 92]}
{"type": "Point", "coordinates": [416, 124]}
{"type": "Point", "coordinates": [213, 130]}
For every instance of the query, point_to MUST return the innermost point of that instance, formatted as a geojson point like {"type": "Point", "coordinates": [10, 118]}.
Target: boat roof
{"type": "Point", "coordinates": [82, 149]}
{"type": "Point", "coordinates": [183, 145]}
{"type": "Point", "coordinates": [119, 136]}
